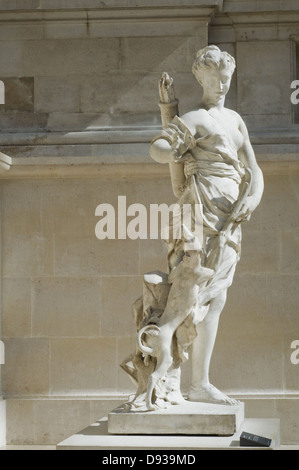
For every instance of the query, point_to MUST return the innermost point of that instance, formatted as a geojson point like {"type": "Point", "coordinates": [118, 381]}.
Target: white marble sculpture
{"type": "Point", "coordinates": [212, 163]}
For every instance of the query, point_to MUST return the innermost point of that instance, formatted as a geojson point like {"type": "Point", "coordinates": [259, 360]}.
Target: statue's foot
{"type": "Point", "coordinates": [150, 406]}
{"type": "Point", "coordinates": [211, 394]}
{"type": "Point", "coordinates": [175, 398]}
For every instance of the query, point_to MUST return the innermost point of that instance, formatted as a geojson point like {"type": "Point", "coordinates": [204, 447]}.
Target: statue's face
{"type": "Point", "coordinates": [216, 83]}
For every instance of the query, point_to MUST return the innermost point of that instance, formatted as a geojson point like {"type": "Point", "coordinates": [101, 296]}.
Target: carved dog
{"type": "Point", "coordinates": [156, 340]}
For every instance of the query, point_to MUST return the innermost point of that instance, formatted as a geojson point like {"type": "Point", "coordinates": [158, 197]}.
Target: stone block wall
{"type": "Point", "coordinates": [81, 109]}
{"type": "Point", "coordinates": [85, 73]}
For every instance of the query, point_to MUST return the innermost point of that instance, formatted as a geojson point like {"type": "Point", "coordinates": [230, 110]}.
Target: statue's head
{"type": "Point", "coordinates": [214, 69]}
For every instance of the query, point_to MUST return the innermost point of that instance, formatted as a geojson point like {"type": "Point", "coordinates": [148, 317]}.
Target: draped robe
{"type": "Point", "coordinates": [215, 185]}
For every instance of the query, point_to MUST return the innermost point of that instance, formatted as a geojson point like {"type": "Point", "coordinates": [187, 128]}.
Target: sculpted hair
{"type": "Point", "coordinates": [212, 57]}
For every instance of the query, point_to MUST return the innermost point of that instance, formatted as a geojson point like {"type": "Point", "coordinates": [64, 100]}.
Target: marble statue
{"type": "Point", "coordinates": [211, 163]}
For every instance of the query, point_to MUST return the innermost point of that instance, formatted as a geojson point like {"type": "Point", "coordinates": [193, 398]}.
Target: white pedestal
{"type": "Point", "coordinates": [96, 437]}
{"type": "Point", "coordinates": [190, 418]}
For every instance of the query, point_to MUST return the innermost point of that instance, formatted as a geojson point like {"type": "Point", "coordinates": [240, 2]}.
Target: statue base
{"type": "Point", "coordinates": [190, 418]}
{"type": "Point", "coordinates": [96, 437]}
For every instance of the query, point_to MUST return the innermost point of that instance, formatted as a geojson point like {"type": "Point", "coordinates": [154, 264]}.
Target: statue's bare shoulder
{"type": "Point", "coordinates": [238, 119]}
{"type": "Point", "coordinates": [196, 120]}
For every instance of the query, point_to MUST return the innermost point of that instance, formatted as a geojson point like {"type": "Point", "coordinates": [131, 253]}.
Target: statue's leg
{"type": "Point", "coordinates": [203, 345]}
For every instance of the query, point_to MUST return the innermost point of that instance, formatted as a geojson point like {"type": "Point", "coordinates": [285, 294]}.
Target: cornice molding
{"type": "Point", "coordinates": [125, 135]}
{"type": "Point", "coordinates": [50, 5]}
{"type": "Point", "coordinates": [260, 6]}
{"type": "Point", "coordinates": [95, 168]}
{"type": "Point", "coordinates": [125, 159]}
{"type": "Point", "coordinates": [173, 18]}
{"type": "Point", "coordinates": [261, 12]}
{"type": "Point", "coordinates": [72, 10]}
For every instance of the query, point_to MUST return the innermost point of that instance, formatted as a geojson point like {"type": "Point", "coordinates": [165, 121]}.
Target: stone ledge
{"type": "Point", "coordinates": [105, 152]}
{"type": "Point", "coordinates": [95, 437]}
{"type": "Point", "coordinates": [129, 135]}
{"type": "Point", "coordinates": [94, 167]}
